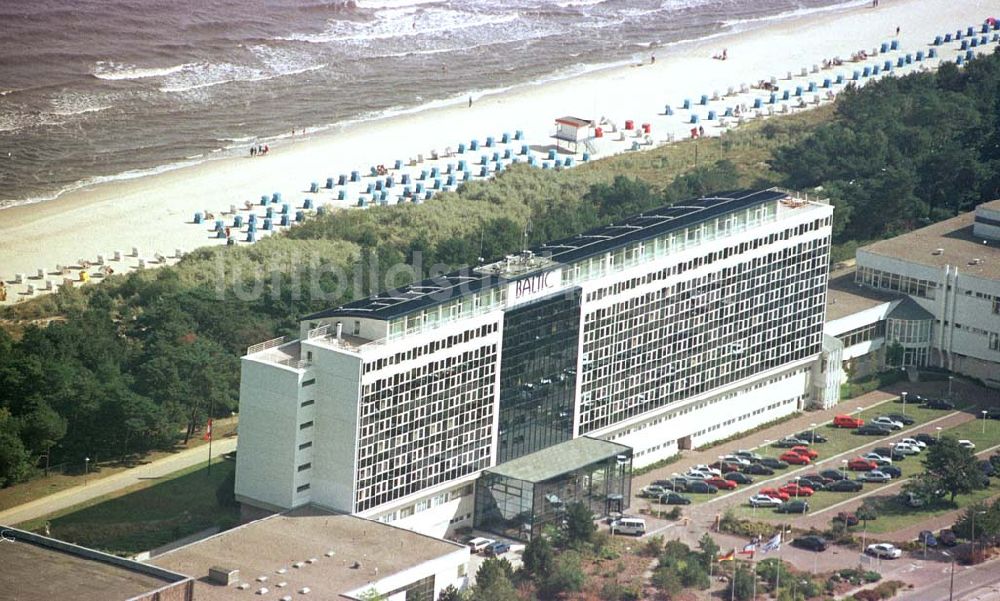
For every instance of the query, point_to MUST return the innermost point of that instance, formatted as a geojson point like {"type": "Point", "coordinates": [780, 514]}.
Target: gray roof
{"type": "Point", "coordinates": [909, 309]}
{"type": "Point", "coordinates": [559, 459]}
{"type": "Point", "coordinates": [645, 226]}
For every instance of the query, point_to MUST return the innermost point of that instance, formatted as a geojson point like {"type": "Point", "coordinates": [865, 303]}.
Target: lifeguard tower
{"type": "Point", "coordinates": [571, 132]}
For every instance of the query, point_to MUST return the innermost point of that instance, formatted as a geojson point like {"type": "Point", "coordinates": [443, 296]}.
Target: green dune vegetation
{"type": "Point", "coordinates": [112, 371]}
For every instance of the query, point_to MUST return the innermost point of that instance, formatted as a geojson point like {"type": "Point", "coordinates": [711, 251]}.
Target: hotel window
{"type": "Point", "coordinates": [305, 445]}
{"type": "Point", "coordinates": [306, 425]}
{"type": "Point", "coordinates": [308, 402]}
{"type": "Point", "coordinates": [305, 466]}
{"type": "Point", "coordinates": [308, 382]}
{"type": "Point", "coordinates": [302, 488]}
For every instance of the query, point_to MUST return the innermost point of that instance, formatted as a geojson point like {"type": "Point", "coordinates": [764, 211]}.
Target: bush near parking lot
{"type": "Point", "coordinates": [740, 527]}
{"type": "Point", "coordinates": [867, 384]}
{"type": "Point", "coordinates": [885, 590]}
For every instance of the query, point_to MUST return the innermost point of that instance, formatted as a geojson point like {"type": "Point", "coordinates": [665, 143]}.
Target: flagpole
{"type": "Point", "coordinates": [736, 564]}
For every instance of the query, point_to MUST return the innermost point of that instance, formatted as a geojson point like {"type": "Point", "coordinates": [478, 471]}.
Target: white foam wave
{"type": "Point", "coordinates": [116, 71]}
{"type": "Point", "coordinates": [223, 73]}
{"type": "Point", "coordinates": [793, 14]}
{"type": "Point", "coordinates": [404, 22]}
{"type": "Point", "coordinates": [383, 4]}
{"type": "Point", "coordinates": [579, 3]}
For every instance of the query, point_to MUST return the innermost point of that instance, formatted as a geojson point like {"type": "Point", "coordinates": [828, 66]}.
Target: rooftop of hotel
{"type": "Point", "coordinates": [36, 568]}
{"type": "Point", "coordinates": [559, 459]}
{"type": "Point", "coordinates": [948, 242]}
{"type": "Point", "coordinates": [844, 297]}
{"type": "Point", "coordinates": [645, 226]}
{"type": "Point", "coordinates": [335, 554]}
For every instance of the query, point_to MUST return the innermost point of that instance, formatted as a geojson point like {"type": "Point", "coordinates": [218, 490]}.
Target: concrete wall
{"type": "Point", "coordinates": [450, 569]}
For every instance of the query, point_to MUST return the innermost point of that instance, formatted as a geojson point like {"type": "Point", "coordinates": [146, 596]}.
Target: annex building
{"type": "Point", "coordinates": [666, 331]}
{"type": "Point", "coordinates": [934, 292]}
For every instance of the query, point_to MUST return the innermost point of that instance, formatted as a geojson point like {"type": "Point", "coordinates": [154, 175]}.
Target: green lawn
{"type": "Point", "coordinates": [148, 515]}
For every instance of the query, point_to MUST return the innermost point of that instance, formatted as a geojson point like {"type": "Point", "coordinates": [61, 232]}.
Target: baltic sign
{"type": "Point", "coordinates": [533, 286]}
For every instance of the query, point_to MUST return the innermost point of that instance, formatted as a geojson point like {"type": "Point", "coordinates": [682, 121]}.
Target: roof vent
{"type": "Point", "coordinates": [305, 590]}
{"type": "Point", "coordinates": [298, 564]}
{"type": "Point", "coordinates": [330, 553]}
{"type": "Point", "coordinates": [938, 251]}
{"type": "Point", "coordinates": [262, 590]}
{"type": "Point", "coordinates": [281, 570]}
{"type": "Point", "coordinates": [975, 262]}
{"type": "Point", "coordinates": [222, 575]}
{"type": "Point", "coordinates": [261, 578]}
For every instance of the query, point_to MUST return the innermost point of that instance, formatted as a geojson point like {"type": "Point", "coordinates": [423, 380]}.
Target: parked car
{"type": "Point", "coordinates": [652, 491]}
{"type": "Point", "coordinates": [774, 492]}
{"type": "Point", "coordinates": [925, 438]}
{"type": "Point", "coordinates": [818, 478]}
{"type": "Point", "coordinates": [736, 459]}
{"type": "Point", "coordinates": [914, 442]}
{"type": "Point", "coordinates": [884, 550]}
{"type": "Point", "coordinates": [993, 413]}
{"type": "Point", "coordinates": [833, 475]}
{"type": "Point", "coordinates": [696, 475]}
{"type": "Point", "coordinates": [738, 478]}
{"type": "Point", "coordinates": [906, 420]}
{"type": "Point", "coordinates": [879, 460]}
{"type": "Point", "coordinates": [860, 464]}
{"type": "Point", "coordinates": [966, 444]}
{"type": "Point", "coordinates": [874, 476]}
{"type": "Point", "coordinates": [947, 538]}
{"type": "Point", "coordinates": [794, 458]}
{"type": "Point", "coordinates": [793, 507]}
{"type": "Point", "coordinates": [789, 442]}
{"type": "Point", "coordinates": [926, 537]}
{"type": "Point", "coordinates": [890, 453]}
{"type": "Point", "coordinates": [764, 501]}
{"type": "Point", "coordinates": [748, 455]}
{"type": "Point", "coordinates": [497, 549]}
{"type": "Point", "coordinates": [846, 421]}
{"type": "Point", "coordinates": [873, 430]}
{"type": "Point", "coordinates": [848, 518]}
{"type": "Point", "coordinates": [672, 498]}
{"type": "Point", "coordinates": [845, 486]}
{"type": "Point", "coordinates": [811, 454]}
{"type": "Point", "coordinates": [703, 488]}
{"type": "Point", "coordinates": [774, 464]}
{"type": "Point", "coordinates": [910, 499]}
{"type": "Point", "coordinates": [939, 404]}
{"type": "Point", "coordinates": [797, 490]}
{"type": "Point", "coordinates": [891, 470]}
{"type": "Point", "coordinates": [813, 484]}
{"type": "Point", "coordinates": [706, 469]}
{"type": "Point", "coordinates": [726, 466]}
{"type": "Point", "coordinates": [758, 469]}
{"type": "Point", "coordinates": [906, 449]}
{"type": "Point", "coordinates": [479, 543]}
{"type": "Point", "coordinates": [812, 436]}
{"type": "Point", "coordinates": [812, 543]}
{"type": "Point", "coordinates": [676, 484]}
{"type": "Point", "coordinates": [986, 466]}
{"type": "Point", "coordinates": [884, 420]}
{"type": "Point", "coordinates": [721, 483]}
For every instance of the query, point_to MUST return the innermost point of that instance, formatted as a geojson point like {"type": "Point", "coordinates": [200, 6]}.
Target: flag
{"type": "Point", "coordinates": [728, 556]}
{"type": "Point", "coordinates": [208, 431]}
{"type": "Point", "coordinates": [749, 549]}
{"type": "Point", "coordinates": [774, 544]}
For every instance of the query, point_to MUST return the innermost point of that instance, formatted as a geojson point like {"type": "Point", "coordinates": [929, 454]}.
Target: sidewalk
{"type": "Point", "coordinates": [98, 487]}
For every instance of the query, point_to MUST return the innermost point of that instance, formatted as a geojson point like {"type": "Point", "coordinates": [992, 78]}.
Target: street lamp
{"type": "Point", "coordinates": [973, 537]}
{"type": "Point", "coordinates": [86, 468]}
{"type": "Point", "coordinates": [813, 426]}
{"type": "Point", "coordinates": [984, 412]}
{"type": "Point", "coordinates": [951, 582]}
{"type": "Point", "coordinates": [843, 467]}
{"type": "Point", "coordinates": [903, 394]}
{"type": "Point", "coordinates": [767, 445]}
{"type": "Point", "coordinates": [797, 478]}
{"type": "Point", "coordinates": [950, 379]}
{"type": "Point", "coordinates": [938, 428]}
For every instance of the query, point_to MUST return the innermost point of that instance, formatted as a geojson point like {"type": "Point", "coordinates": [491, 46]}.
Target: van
{"type": "Point", "coordinates": [479, 543]}
{"type": "Point", "coordinates": [636, 526]}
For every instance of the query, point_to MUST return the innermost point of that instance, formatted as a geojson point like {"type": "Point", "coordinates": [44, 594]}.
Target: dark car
{"type": "Point", "coordinates": [848, 518]}
{"type": "Point", "coordinates": [873, 430]}
{"type": "Point", "coordinates": [813, 484]}
{"type": "Point", "coordinates": [775, 464]}
{"type": "Point", "coordinates": [697, 486]}
{"type": "Point", "coordinates": [818, 478]}
{"type": "Point", "coordinates": [906, 420]}
{"type": "Point", "coordinates": [891, 470]}
{"type": "Point", "coordinates": [789, 442]}
{"type": "Point", "coordinates": [834, 475]}
{"type": "Point", "coordinates": [845, 486]}
{"type": "Point", "coordinates": [939, 404]}
{"type": "Point", "coordinates": [925, 438]}
{"type": "Point", "coordinates": [891, 453]}
{"type": "Point", "coordinates": [793, 507]}
{"type": "Point", "coordinates": [947, 538]}
{"type": "Point", "coordinates": [758, 469]}
{"type": "Point", "coordinates": [910, 499]}
{"type": "Point", "coordinates": [993, 413]}
{"type": "Point", "coordinates": [813, 543]}
{"type": "Point", "coordinates": [926, 537]}
{"type": "Point", "coordinates": [738, 478]}
{"type": "Point", "coordinates": [725, 466]}
{"type": "Point", "coordinates": [987, 467]}
{"type": "Point", "coordinates": [808, 435]}
{"type": "Point", "coordinates": [672, 498]}
{"type": "Point", "coordinates": [496, 549]}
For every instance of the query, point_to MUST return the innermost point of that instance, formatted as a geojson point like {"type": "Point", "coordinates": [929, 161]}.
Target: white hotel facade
{"type": "Point", "coordinates": [669, 330]}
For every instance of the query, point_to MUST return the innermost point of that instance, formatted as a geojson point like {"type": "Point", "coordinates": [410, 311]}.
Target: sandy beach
{"type": "Point", "coordinates": [154, 214]}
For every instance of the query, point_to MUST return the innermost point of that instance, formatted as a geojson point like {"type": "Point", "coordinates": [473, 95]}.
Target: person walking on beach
{"type": "Point", "coordinates": [470, 102]}
{"type": "Point", "coordinates": [253, 151]}
{"type": "Point", "coordinates": [897, 31]}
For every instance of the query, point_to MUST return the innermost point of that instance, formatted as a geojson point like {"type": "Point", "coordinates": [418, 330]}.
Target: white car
{"type": "Point", "coordinates": [884, 550]}
{"type": "Point", "coordinates": [764, 501]}
{"type": "Point", "coordinates": [906, 449]}
{"type": "Point", "coordinates": [887, 421]}
{"type": "Point", "coordinates": [652, 491]}
{"type": "Point", "coordinates": [695, 475]}
{"type": "Point", "coordinates": [706, 470]}
{"type": "Point", "coordinates": [736, 459]}
{"type": "Point", "coordinates": [913, 442]}
{"type": "Point", "coordinates": [874, 476]}
{"type": "Point", "coordinates": [966, 444]}
{"type": "Point", "coordinates": [878, 458]}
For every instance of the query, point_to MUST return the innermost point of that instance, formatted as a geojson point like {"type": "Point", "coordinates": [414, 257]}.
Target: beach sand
{"type": "Point", "coordinates": [155, 213]}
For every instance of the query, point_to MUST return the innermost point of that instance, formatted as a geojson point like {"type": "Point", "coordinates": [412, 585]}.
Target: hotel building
{"type": "Point", "coordinates": [666, 331]}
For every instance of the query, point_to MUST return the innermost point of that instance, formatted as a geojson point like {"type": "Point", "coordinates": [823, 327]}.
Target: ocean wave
{"type": "Point", "coordinates": [384, 4]}
{"type": "Point", "coordinates": [403, 22]}
{"type": "Point", "coordinates": [793, 14]}
{"type": "Point", "coordinates": [116, 71]}
{"type": "Point", "coordinates": [579, 3]}
{"type": "Point", "coordinates": [223, 73]}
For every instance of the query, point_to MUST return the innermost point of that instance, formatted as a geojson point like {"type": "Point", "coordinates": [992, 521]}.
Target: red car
{"type": "Point", "coordinates": [860, 464]}
{"type": "Point", "coordinates": [721, 484]}
{"type": "Point", "coordinates": [794, 458]}
{"type": "Point", "coordinates": [725, 467]}
{"type": "Point", "coordinates": [794, 490]}
{"type": "Point", "coordinates": [811, 454]}
{"type": "Point", "coordinates": [774, 493]}
{"type": "Point", "coordinates": [846, 421]}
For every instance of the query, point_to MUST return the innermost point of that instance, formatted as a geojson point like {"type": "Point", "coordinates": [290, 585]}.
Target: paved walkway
{"type": "Point", "coordinates": [98, 487]}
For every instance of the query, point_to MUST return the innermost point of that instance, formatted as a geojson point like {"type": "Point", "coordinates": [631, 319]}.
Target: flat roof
{"type": "Point", "coordinates": [559, 459]}
{"type": "Point", "coordinates": [644, 226]}
{"type": "Point", "coordinates": [265, 547]}
{"type": "Point", "coordinates": [844, 297]}
{"type": "Point", "coordinates": [37, 568]}
{"type": "Point", "coordinates": [575, 121]}
{"type": "Point", "coordinates": [953, 237]}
